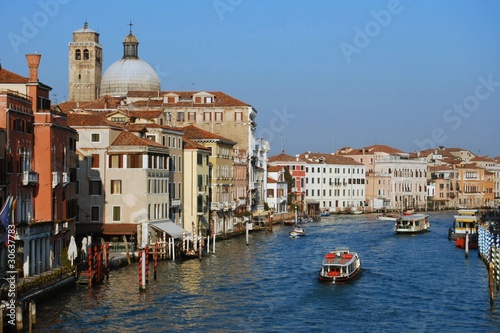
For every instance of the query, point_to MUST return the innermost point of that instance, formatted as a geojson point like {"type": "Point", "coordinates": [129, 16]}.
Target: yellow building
{"type": "Point", "coordinates": [222, 205]}
{"type": "Point", "coordinates": [195, 184]}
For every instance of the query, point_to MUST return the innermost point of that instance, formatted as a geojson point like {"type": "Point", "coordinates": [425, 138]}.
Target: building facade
{"type": "Point", "coordinates": [40, 159]}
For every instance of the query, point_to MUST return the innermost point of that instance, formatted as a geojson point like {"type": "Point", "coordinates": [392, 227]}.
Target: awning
{"type": "Point", "coordinates": [106, 228]}
{"type": "Point", "coordinates": [170, 228]}
{"type": "Point", "coordinates": [119, 229]}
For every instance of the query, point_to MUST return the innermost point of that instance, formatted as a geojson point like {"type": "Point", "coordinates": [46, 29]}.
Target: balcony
{"type": "Point", "coordinates": [65, 178]}
{"type": "Point", "coordinates": [56, 179]}
{"type": "Point", "coordinates": [30, 178]}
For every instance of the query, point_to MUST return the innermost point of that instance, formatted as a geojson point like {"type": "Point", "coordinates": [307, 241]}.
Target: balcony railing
{"type": "Point", "coordinates": [30, 178]}
{"type": "Point", "coordinates": [56, 179]}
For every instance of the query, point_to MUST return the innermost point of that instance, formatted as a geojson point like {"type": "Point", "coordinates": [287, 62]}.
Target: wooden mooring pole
{"type": "Point", "coordinates": [246, 232]}
{"type": "Point", "coordinates": [466, 244]}
{"type": "Point", "coordinates": [492, 285]}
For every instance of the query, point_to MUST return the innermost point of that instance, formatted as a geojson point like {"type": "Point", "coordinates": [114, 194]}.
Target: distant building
{"type": "Point", "coordinates": [86, 81]}
{"type": "Point", "coordinates": [85, 65]}
{"type": "Point", "coordinates": [129, 73]}
{"type": "Point", "coordinates": [297, 168]}
{"type": "Point", "coordinates": [277, 189]}
{"type": "Point", "coordinates": [335, 183]}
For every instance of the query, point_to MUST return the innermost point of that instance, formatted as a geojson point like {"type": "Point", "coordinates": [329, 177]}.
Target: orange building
{"type": "Point", "coordinates": [38, 161]}
{"type": "Point", "coordinates": [474, 186]}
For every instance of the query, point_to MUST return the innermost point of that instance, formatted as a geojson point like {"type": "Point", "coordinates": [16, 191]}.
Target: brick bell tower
{"type": "Point", "coordinates": [85, 65]}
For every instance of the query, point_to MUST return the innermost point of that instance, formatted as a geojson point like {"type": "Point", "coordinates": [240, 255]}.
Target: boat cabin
{"type": "Point", "coordinates": [465, 221]}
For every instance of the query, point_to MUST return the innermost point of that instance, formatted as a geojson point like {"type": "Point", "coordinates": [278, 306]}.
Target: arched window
{"type": "Point", "coordinates": [86, 54]}
{"type": "Point", "coordinates": [78, 54]}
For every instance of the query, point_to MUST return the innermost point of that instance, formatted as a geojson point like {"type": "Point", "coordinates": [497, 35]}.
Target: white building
{"type": "Point", "coordinates": [277, 189]}
{"type": "Point", "coordinates": [408, 178]}
{"type": "Point", "coordinates": [337, 183]}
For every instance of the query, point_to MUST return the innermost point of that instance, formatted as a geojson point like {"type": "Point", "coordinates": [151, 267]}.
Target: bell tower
{"type": "Point", "coordinates": [85, 65]}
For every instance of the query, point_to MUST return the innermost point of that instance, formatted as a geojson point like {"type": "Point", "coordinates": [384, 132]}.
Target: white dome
{"type": "Point", "coordinates": [129, 74]}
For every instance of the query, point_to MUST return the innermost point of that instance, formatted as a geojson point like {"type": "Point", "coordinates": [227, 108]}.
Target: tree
{"type": "Point", "coordinates": [290, 183]}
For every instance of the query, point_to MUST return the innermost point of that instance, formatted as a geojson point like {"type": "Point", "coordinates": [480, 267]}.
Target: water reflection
{"type": "Point", "coordinates": [407, 283]}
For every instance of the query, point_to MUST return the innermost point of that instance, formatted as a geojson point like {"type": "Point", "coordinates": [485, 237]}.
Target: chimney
{"type": "Point", "coordinates": [33, 63]}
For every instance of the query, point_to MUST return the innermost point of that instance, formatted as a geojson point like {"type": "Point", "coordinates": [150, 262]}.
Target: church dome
{"type": "Point", "coordinates": [129, 73]}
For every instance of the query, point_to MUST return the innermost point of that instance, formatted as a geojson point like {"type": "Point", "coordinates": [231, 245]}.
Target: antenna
{"type": "Point", "coordinates": [282, 144]}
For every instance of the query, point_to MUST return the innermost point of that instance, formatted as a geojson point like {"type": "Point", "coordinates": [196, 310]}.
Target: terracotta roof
{"type": "Point", "coordinates": [136, 128]}
{"type": "Point", "coordinates": [439, 168]}
{"type": "Point", "coordinates": [482, 159]}
{"type": "Point", "coordinates": [374, 149]}
{"type": "Point", "coordinates": [271, 180]}
{"type": "Point", "coordinates": [186, 98]}
{"type": "Point", "coordinates": [89, 120]}
{"type": "Point", "coordinates": [329, 159]}
{"type": "Point", "coordinates": [285, 158]}
{"type": "Point", "coordinates": [195, 133]}
{"type": "Point", "coordinates": [274, 168]}
{"type": "Point", "coordinates": [445, 152]}
{"type": "Point", "coordinates": [468, 166]}
{"type": "Point", "coordinates": [102, 103]}
{"type": "Point", "coordinates": [147, 103]}
{"type": "Point", "coordinates": [190, 144]}
{"type": "Point", "coordinates": [145, 113]}
{"type": "Point", "coordinates": [11, 77]}
{"type": "Point", "coordinates": [126, 138]}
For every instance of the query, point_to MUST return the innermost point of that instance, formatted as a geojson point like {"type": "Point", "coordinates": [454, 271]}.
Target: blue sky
{"type": "Point", "coordinates": [321, 74]}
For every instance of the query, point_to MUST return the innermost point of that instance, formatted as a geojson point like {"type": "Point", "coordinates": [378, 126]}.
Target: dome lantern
{"type": "Point", "coordinates": [129, 73]}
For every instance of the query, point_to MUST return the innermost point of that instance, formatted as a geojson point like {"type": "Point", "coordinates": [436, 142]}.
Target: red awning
{"type": "Point", "coordinates": [119, 229]}
{"type": "Point", "coordinates": [106, 228]}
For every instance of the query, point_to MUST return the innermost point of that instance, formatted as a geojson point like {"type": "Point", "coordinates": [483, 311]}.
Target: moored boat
{"type": "Point", "coordinates": [465, 221]}
{"type": "Point", "coordinates": [340, 266]}
{"type": "Point", "coordinates": [412, 224]}
{"type": "Point", "coordinates": [473, 242]}
{"type": "Point", "coordinates": [388, 217]}
{"type": "Point", "coordinates": [190, 254]}
{"type": "Point", "coordinates": [297, 232]}
{"type": "Point", "coordinates": [325, 213]}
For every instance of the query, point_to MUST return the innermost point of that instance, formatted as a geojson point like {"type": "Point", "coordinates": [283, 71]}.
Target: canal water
{"type": "Point", "coordinates": [419, 283]}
